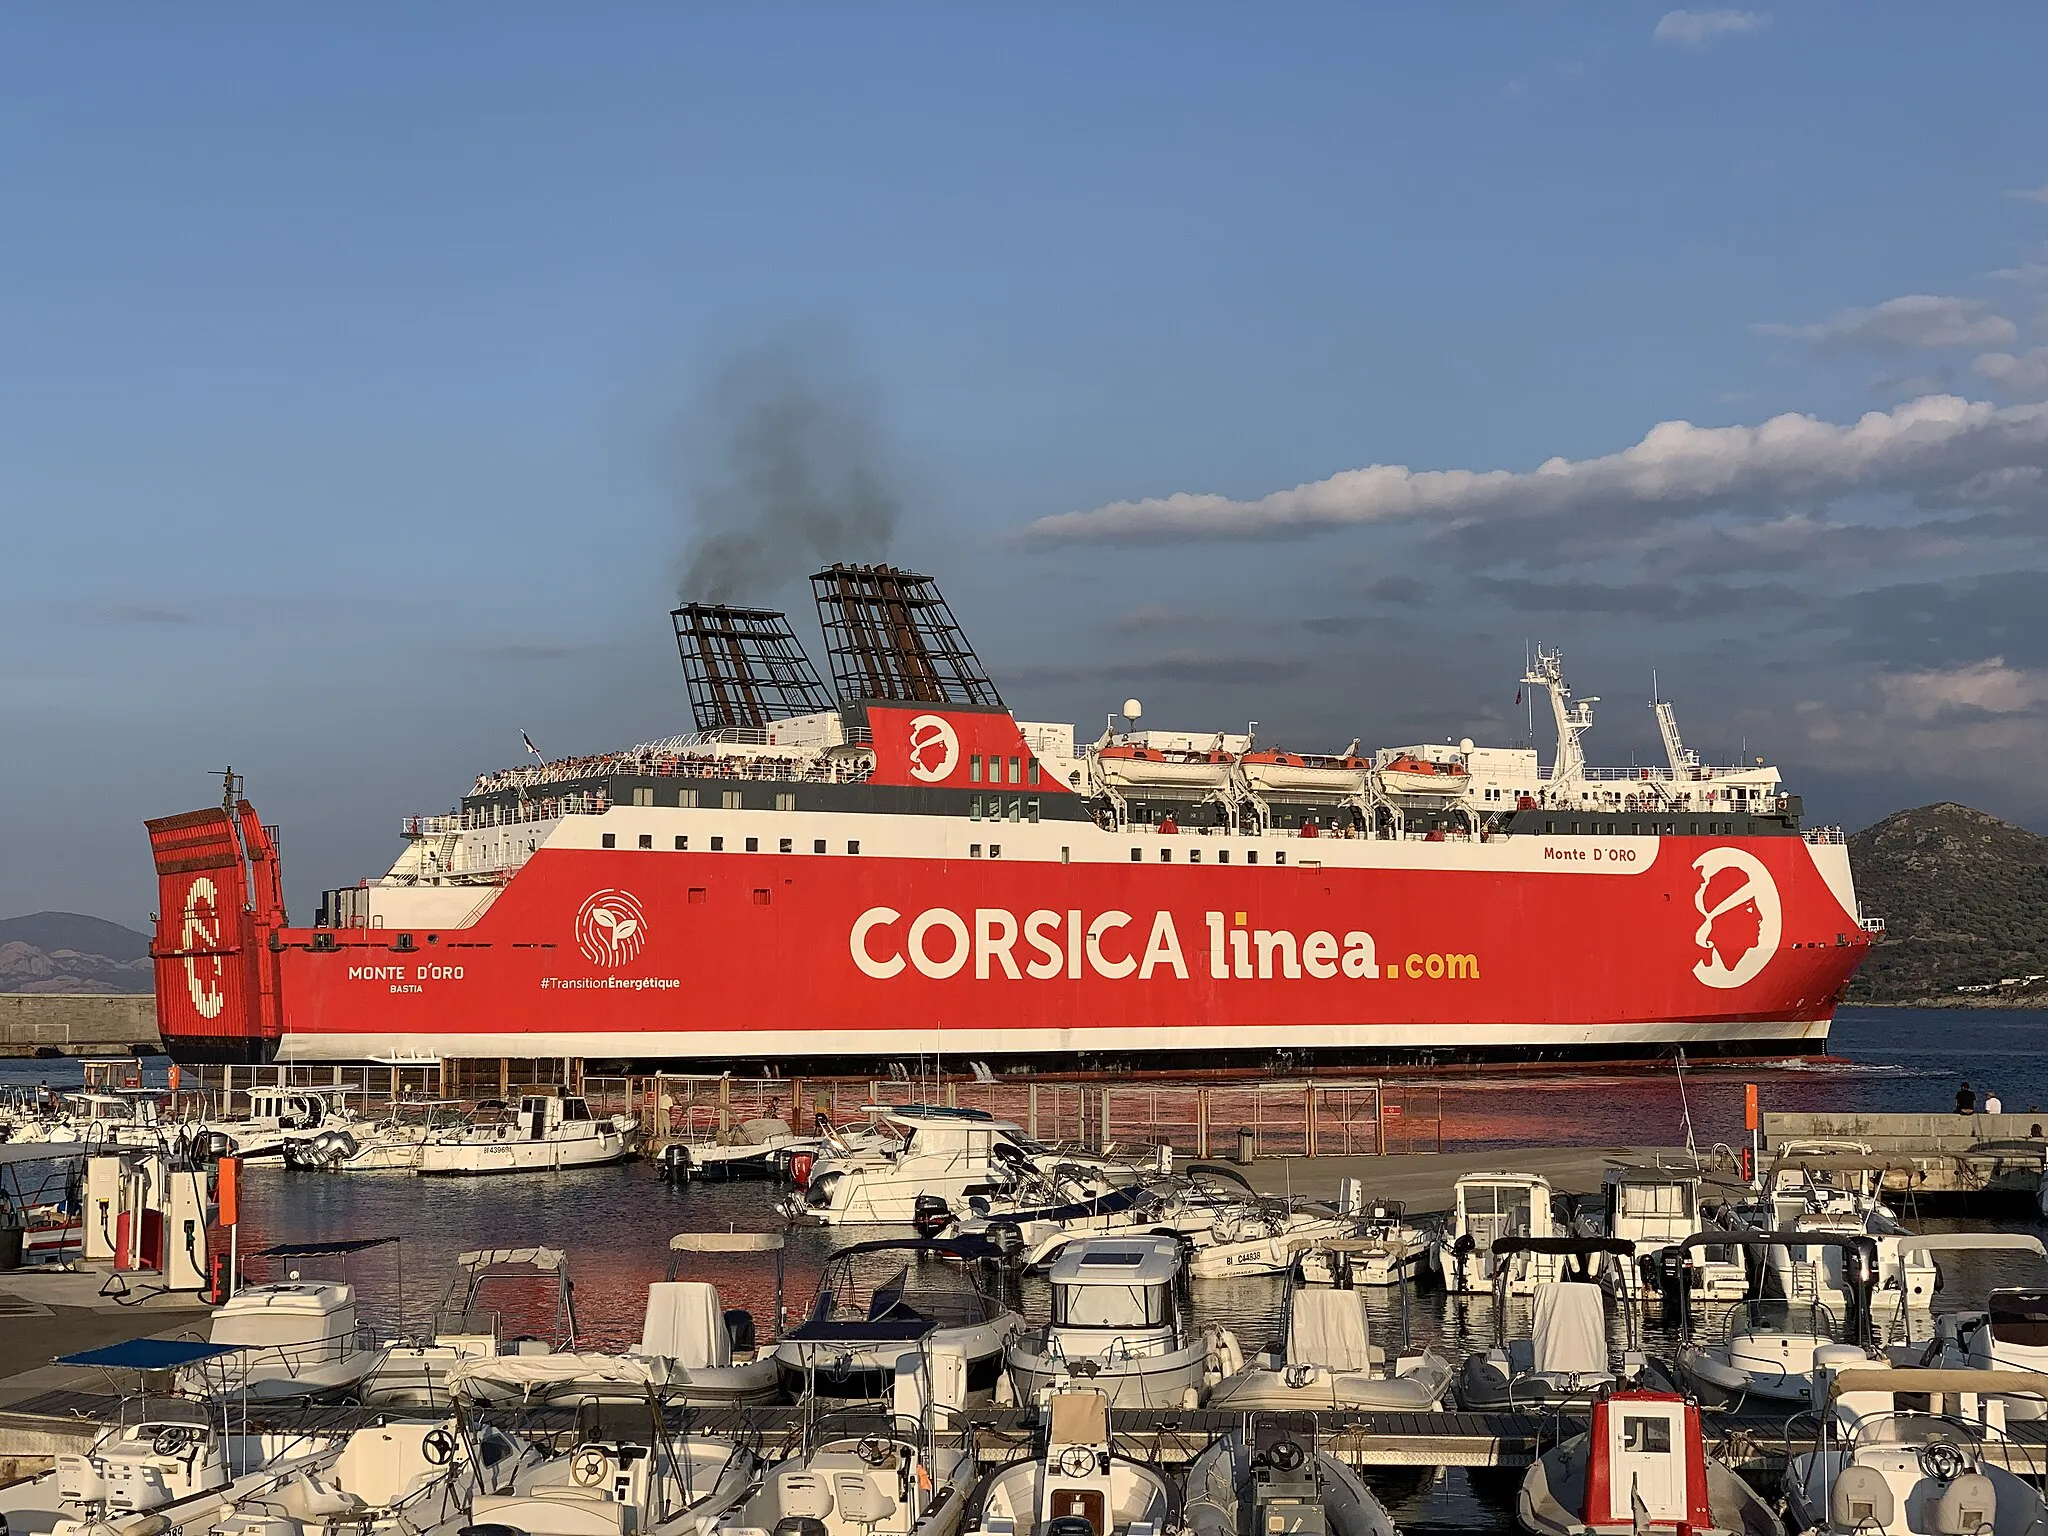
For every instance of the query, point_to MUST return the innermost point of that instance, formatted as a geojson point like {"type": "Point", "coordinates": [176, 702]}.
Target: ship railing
{"type": "Point", "coordinates": [1870, 924]}
{"type": "Point", "coordinates": [430, 826]}
{"type": "Point", "coordinates": [1824, 835]}
{"type": "Point", "coordinates": [1640, 775]}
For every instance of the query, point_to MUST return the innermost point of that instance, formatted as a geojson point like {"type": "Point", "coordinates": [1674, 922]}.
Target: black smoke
{"type": "Point", "coordinates": [786, 465]}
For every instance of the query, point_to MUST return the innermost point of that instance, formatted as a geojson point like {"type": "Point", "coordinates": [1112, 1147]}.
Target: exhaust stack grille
{"type": "Point", "coordinates": [890, 635]}
{"type": "Point", "coordinates": [745, 667]}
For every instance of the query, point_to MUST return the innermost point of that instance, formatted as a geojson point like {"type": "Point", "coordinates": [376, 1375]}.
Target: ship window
{"type": "Point", "coordinates": [1646, 1436]}
{"type": "Point", "coordinates": [1066, 856]}
{"type": "Point", "coordinates": [788, 845]}
{"type": "Point", "coordinates": [1166, 855]}
{"type": "Point", "coordinates": [697, 895]}
{"type": "Point", "coordinates": [1549, 825]}
{"type": "Point", "coordinates": [1031, 810]}
{"type": "Point", "coordinates": [818, 846]}
{"type": "Point", "coordinates": [718, 845]}
{"type": "Point", "coordinates": [760, 897]}
{"type": "Point", "coordinates": [643, 797]}
{"type": "Point", "coordinates": [683, 844]}
{"type": "Point", "coordinates": [753, 845]}
{"type": "Point", "coordinates": [1194, 855]}
{"type": "Point", "coordinates": [785, 802]}
{"type": "Point", "coordinates": [974, 807]}
{"type": "Point", "coordinates": [1280, 857]}
{"type": "Point", "coordinates": [686, 799]}
{"type": "Point", "coordinates": [1251, 855]}
{"type": "Point", "coordinates": [1016, 770]}
{"type": "Point", "coordinates": [853, 845]}
{"type": "Point", "coordinates": [1137, 855]}
{"type": "Point", "coordinates": [732, 799]}
{"type": "Point", "coordinates": [974, 768]}
{"type": "Point", "coordinates": [1016, 810]}
{"type": "Point", "coordinates": [646, 839]}
{"type": "Point", "coordinates": [974, 850]}
{"type": "Point", "coordinates": [611, 840]}
{"type": "Point", "coordinates": [995, 850]}
{"type": "Point", "coordinates": [1031, 773]}
{"type": "Point", "coordinates": [1222, 855]}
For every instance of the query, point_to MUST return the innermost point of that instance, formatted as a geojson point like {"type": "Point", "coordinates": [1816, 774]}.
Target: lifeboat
{"type": "Point", "coordinates": [1134, 767]}
{"type": "Point", "coordinates": [1291, 773]}
{"type": "Point", "coordinates": [1412, 775]}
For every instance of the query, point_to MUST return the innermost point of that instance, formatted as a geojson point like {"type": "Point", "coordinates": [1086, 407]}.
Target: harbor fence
{"type": "Point", "coordinates": [1264, 1117]}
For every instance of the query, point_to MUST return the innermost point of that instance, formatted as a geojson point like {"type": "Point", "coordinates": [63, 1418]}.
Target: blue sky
{"type": "Point", "coordinates": [360, 368]}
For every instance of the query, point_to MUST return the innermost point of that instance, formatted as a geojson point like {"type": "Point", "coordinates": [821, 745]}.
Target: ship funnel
{"type": "Point", "coordinates": [890, 635]}
{"type": "Point", "coordinates": [745, 667]}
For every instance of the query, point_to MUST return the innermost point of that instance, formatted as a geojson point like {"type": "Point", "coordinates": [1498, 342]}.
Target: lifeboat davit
{"type": "Point", "coordinates": [1412, 775]}
{"type": "Point", "coordinates": [1277, 772]}
{"type": "Point", "coordinates": [1134, 767]}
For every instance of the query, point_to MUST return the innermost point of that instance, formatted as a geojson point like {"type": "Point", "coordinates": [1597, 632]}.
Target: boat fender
{"type": "Point", "coordinates": [1191, 1398]}
{"type": "Point", "coordinates": [800, 1164]}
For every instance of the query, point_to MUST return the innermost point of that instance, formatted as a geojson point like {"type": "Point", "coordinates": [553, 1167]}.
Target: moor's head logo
{"type": "Point", "coordinates": [934, 749]}
{"type": "Point", "coordinates": [611, 930]}
{"type": "Point", "coordinates": [1741, 919]}
{"type": "Point", "coordinates": [201, 932]}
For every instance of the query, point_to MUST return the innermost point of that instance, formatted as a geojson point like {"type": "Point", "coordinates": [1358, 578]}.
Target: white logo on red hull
{"type": "Point", "coordinates": [611, 930]}
{"type": "Point", "coordinates": [1741, 918]}
{"type": "Point", "coordinates": [202, 931]}
{"type": "Point", "coordinates": [934, 749]}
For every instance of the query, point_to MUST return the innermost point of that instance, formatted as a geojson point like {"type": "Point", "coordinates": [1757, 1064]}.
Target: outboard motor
{"type": "Point", "coordinates": [1286, 1494]}
{"type": "Point", "coordinates": [931, 1216]}
{"type": "Point", "coordinates": [739, 1328]}
{"type": "Point", "coordinates": [212, 1146]}
{"type": "Point", "coordinates": [1859, 1275]}
{"type": "Point", "coordinates": [675, 1164]}
{"type": "Point", "coordinates": [1669, 1278]}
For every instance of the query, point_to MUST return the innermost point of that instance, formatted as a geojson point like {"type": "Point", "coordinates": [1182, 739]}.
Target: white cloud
{"type": "Point", "coordinates": [1914, 321]}
{"type": "Point", "coordinates": [2030, 194]}
{"type": "Point", "coordinates": [1984, 687]}
{"type": "Point", "coordinates": [1696, 29]}
{"type": "Point", "coordinates": [2026, 374]}
{"type": "Point", "coordinates": [1677, 468]}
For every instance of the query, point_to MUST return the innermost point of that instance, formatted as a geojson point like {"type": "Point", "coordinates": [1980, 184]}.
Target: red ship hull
{"type": "Point", "coordinates": [1525, 946]}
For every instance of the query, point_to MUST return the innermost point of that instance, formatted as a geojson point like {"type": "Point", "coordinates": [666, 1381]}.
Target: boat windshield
{"type": "Point", "coordinates": [2020, 1318]}
{"type": "Point", "coordinates": [1111, 1306]}
{"type": "Point", "coordinates": [1917, 1429]}
{"type": "Point", "coordinates": [886, 1286]}
{"type": "Point", "coordinates": [1774, 1314]}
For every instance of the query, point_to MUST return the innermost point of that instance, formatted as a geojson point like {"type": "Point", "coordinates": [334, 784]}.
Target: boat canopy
{"type": "Point", "coordinates": [539, 1258]}
{"type": "Point", "coordinates": [726, 1242]}
{"type": "Point", "coordinates": [318, 1250]}
{"type": "Point", "coordinates": [1934, 1381]}
{"type": "Point", "coordinates": [1960, 1242]}
{"type": "Point", "coordinates": [149, 1354]}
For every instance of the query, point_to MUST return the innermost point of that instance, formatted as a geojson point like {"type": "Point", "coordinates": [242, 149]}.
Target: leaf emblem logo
{"type": "Point", "coordinates": [611, 928]}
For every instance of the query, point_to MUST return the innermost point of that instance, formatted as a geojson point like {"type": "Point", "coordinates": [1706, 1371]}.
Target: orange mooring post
{"type": "Point", "coordinates": [228, 1191]}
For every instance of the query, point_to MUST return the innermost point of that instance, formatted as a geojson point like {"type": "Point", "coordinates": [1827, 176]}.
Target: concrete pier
{"type": "Point", "coordinates": [1935, 1154]}
{"type": "Point", "coordinates": [68, 1024]}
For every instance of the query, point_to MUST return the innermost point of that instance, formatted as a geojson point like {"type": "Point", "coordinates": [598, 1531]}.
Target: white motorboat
{"type": "Point", "coordinates": [385, 1480]}
{"type": "Point", "coordinates": [390, 1145]}
{"type": "Point", "coordinates": [103, 1119]}
{"type": "Point", "coordinates": [1642, 1467]}
{"type": "Point", "coordinates": [1878, 1468]}
{"type": "Point", "coordinates": [292, 1339]}
{"type": "Point", "coordinates": [2010, 1333]}
{"type": "Point", "coordinates": [624, 1474]}
{"type": "Point", "coordinates": [1261, 1237]}
{"type": "Point", "coordinates": [704, 1355]}
{"type": "Point", "coordinates": [546, 1134]}
{"type": "Point", "coordinates": [1030, 1226]}
{"type": "Point", "coordinates": [1485, 1208]}
{"type": "Point", "coordinates": [1841, 1193]}
{"type": "Point", "coordinates": [762, 1148]}
{"type": "Point", "coordinates": [862, 1474]}
{"type": "Point", "coordinates": [1117, 1327]}
{"type": "Point", "coordinates": [170, 1470]}
{"type": "Point", "coordinates": [935, 1162]}
{"type": "Point", "coordinates": [1328, 1363]}
{"type": "Point", "coordinates": [880, 1301]}
{"type": "Point", "coordinates": [1272, 1478]}
{"type": "Point", "coordinates": [278, 1115]}
{"type": "Point", "coordinates": [1565, 1362]}
{"type": "Point", "coordinates": [1384, 1249]}
{"type": "Point", "coordinates": [1767, 1346]}
{"type": "Point", "coordinates": [1077, 1475]}
{"type": "Point", "coordinates": [1657, 1208]}
{"type": "Point", "coordinates": [416, 1374]}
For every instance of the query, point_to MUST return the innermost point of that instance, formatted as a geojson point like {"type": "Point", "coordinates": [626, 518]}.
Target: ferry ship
{"type": "Point", "coordinates": [898, 866]}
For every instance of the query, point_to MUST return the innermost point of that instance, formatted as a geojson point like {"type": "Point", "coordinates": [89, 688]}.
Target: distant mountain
{"type": "Point", "coordinates": [1964, 897]}
{"type": "Point", "coordinates": [70, 952]}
